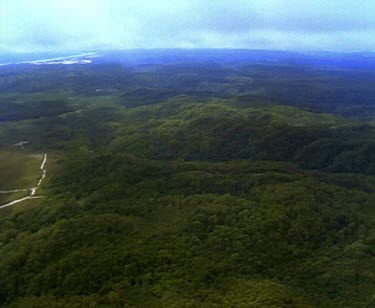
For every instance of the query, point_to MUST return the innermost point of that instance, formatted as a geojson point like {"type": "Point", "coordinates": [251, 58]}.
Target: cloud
{"type": "Point", "coordinates": [50, 25]}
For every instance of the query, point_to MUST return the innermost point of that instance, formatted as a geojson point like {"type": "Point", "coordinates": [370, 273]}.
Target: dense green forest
{"type": "Point", "coordinates": [191, 185]}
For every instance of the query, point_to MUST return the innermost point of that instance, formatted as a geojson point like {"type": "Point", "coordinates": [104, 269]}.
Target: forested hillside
{"type": "Point", "coordinates": [191, 185]}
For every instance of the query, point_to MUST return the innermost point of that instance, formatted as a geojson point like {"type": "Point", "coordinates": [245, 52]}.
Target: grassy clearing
{"type": "Point", "coordinates": [18, 170]}
{"type": "Point", "coordinates": [13, 210]}
{"type": "Point", "coordinates": [5, 198]}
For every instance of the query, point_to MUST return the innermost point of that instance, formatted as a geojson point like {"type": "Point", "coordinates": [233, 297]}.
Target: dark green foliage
{"type": "Point", "coordinates": [177, 186]}
{"type": "Point", "coordinates": [143, 96]}
{"type": "Point", "coordinates": [167, 232]}
{"type": "Point", "coordinates": [30, 109]}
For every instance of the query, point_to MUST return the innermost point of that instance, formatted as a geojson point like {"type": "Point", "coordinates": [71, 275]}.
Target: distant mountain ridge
{"type": "Point", "coordinates": [340, 60]}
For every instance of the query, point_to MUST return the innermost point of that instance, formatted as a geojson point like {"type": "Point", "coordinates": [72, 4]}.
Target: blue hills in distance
{"type": "Point", "coordinates": [347, 60]}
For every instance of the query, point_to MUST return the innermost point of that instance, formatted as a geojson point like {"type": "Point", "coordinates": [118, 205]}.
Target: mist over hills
{"type": "Point", "coordinates": [355, 60]}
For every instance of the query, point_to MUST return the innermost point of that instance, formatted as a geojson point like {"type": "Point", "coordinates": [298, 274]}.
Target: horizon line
{"type": "Point", "coordinates": [302, 51]}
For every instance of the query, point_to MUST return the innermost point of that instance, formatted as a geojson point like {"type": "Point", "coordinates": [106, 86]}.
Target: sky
{"type": "Point", "coordinates": [77, 25]}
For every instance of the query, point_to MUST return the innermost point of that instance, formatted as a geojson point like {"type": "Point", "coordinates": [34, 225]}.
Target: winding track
{"type": "Point", "coordinates": [32, 189]}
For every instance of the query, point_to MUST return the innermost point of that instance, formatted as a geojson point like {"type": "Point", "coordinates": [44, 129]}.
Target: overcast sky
{"type": "Point", "coordinates": [56, 25]}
